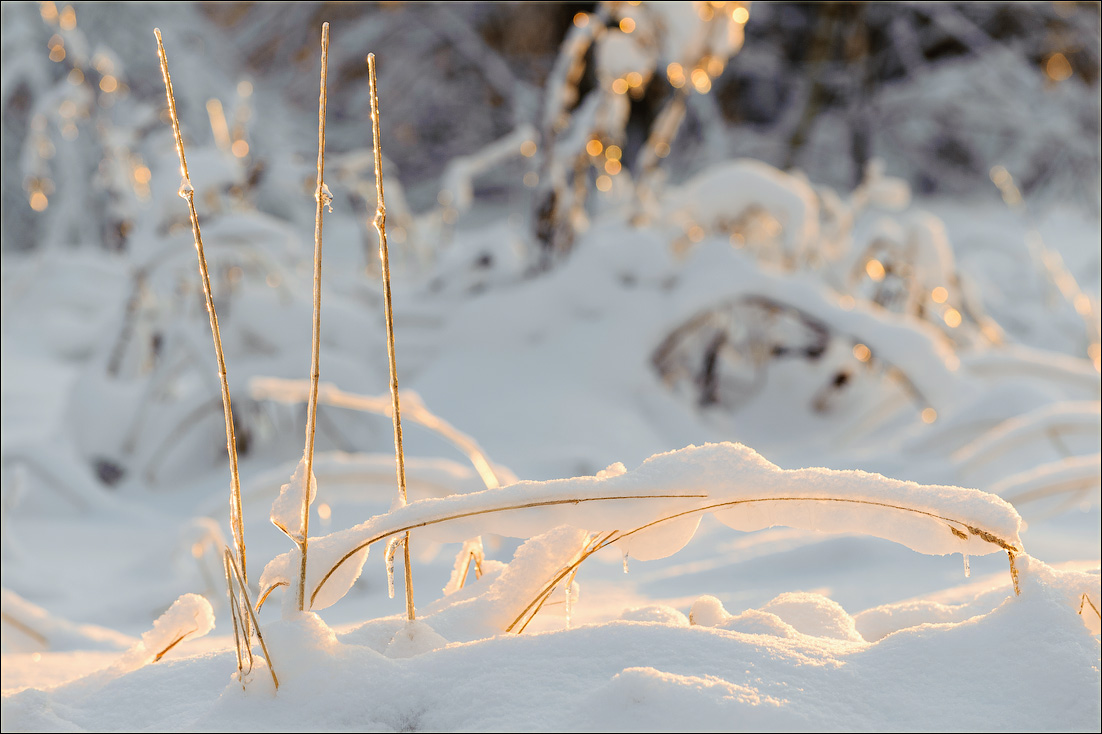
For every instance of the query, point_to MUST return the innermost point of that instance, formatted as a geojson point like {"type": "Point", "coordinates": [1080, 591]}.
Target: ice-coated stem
{"type": "Point", "coordinates": [315, 370]}
{"type": "Point", "coordinates": [188, 193]}
{"type": "Point", "coordinates": [380, 224]}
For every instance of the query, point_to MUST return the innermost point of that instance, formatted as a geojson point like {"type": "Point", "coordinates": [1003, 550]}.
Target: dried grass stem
{"type": "Point", "coordinates": [315, 352]}
{"type": "Point", "coordinates": [380, 224]}
{"type": "Point", "coordinates": [187, 192]}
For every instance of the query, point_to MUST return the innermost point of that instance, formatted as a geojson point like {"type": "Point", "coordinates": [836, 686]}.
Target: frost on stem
{"type": "Point", "coordinates": [391, 549]}
{"type": "Point", "coordinates": [325, 197]}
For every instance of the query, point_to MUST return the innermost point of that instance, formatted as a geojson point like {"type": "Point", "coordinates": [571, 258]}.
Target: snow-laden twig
{"type": "Point", "coordinates": [663, 500]}
{"type": "Point", "coordinates": [296, 391]}
{"type": "Point", "coordinates": [1050, 422]}
{"type": "Point", "coordinates": [1075, 475]}
{"type": "Point", "coordinates": [396, 412]}
{"type": "Point", "coordinates": [188, 193]}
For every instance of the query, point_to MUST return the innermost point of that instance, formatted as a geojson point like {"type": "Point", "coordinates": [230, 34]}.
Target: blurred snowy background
{"type": "Point", "coordinates": [589, 268]}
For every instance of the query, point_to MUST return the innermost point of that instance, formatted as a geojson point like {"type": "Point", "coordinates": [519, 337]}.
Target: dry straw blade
{"type": "Point", "coordinates": [188, 194]}
{"type": "Point", "coordinates": [380, 224]}
{"type": "Point", "coordinates": [244, 618]}
{"type": "Point", "coordinates": [322, 199]}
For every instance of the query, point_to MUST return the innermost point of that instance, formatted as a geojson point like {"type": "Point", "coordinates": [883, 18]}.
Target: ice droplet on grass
{"type": "Point", "coordinates": [625, 561]}
{"type": "Point", "coordinates": [391, 548]}
{"type": "Point", "coordinates": [186, 190]}
{"type": "Point", "coordinates": [326, 197]}
{"type": "Point", "coordinates": [967, 567]}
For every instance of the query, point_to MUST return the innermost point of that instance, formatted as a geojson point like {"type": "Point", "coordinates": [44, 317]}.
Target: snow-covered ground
{"type": "Point", "coordinates": [752, 454]}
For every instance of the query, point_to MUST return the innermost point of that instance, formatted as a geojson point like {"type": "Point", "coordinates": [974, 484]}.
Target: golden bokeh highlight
{"type": "Point", "coordinates": [929, 415]}
{"type": "Point", "coordinates": [613, 152]}
{"type": "Point", "coordinates": [604, 183]}
{"type": "Point", "coordinates": [676, 75]}
{"type": "Point", "coordinates": [240, 148]}
{"type": "Point", "coordinates": [952, 318]}
{"type": "Point", "coordinates": [612, 167]}
{"type": "Point", "coordinates": [939, 295]}
{"type": "Point", "coordinates": [1058, 67]}
{"type": "Point", "coordinates": [581, 19]}
{"type": "Point", "coordinates": [76, 77]}
{"type": "Point", "coordinates": [662, 149]}
{"type": "Point", "coordinates": [875, 270]}
{"type": "Point", "coordinates": [862, 352]}
{"type": "Point", "coordinates": [108, 84]}
{"type": "Point", "coordinates": [594, 147]}
{"type": "Point", "coordinates": [39, 202]}
{"type": "Point", "coordinates": [324, 511]}
{"type": "Point", "coordinates": [620, 86]}
{"type": "Point", "coordinates": [696, 233]}
{"type": "Point", "coordinates": [48, 10]}
{"type": "Point", "coordinates": [634, 79]}
{"type": "Point", "coordinates": [528, 148]}
{"type": "Point", "coordinates": [627, 25]}
{"type": "Point", "coordinates": [68, 18]}
{"type": "Point", "coordinates": [57, 53]}
{"type": "Point", "coordinates": [701, 82]}
{"type": "Point", "coordinates": [740, 15]}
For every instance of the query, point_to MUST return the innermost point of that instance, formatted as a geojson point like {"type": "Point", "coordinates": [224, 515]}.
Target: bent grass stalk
{"type": "Point", "coordinates": [188, 194]}
{"type": "Point", "coordinates": [591, 547]}
{"type": "Point", "coordinates": [315, 371]}
{"type": "Point", "coordinates": [958, 527]}
{"type": "Point", "coordinates": [380, 224]}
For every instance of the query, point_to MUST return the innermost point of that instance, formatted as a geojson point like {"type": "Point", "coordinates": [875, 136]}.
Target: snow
{"type": "Point", "coordinates": [287, 509]}
{"type": "Point", "coordinates": [689, 462]}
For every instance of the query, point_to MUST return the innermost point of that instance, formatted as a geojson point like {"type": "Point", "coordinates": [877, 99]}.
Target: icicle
{"type": "Point", "coordinates": [326, 197]}
{"type": "Point", "coordinates": [569, 599]}
{"type": "Point", "coordinates": [186, 190]}
{"type": "Point", "coordinates": [625, 561]}
{"type": "Point", "coordinates": [967, 567]}
{"type": "Point", "coordinates": [391, 547]}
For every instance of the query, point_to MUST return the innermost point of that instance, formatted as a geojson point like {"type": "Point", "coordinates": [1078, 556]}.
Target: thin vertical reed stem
{"type": "Point", "coordinates": [315, 370]}
{"type": "Point", "coordinates": [380, 225]}
{"type": "Point", "coordinates": [188, 193]}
